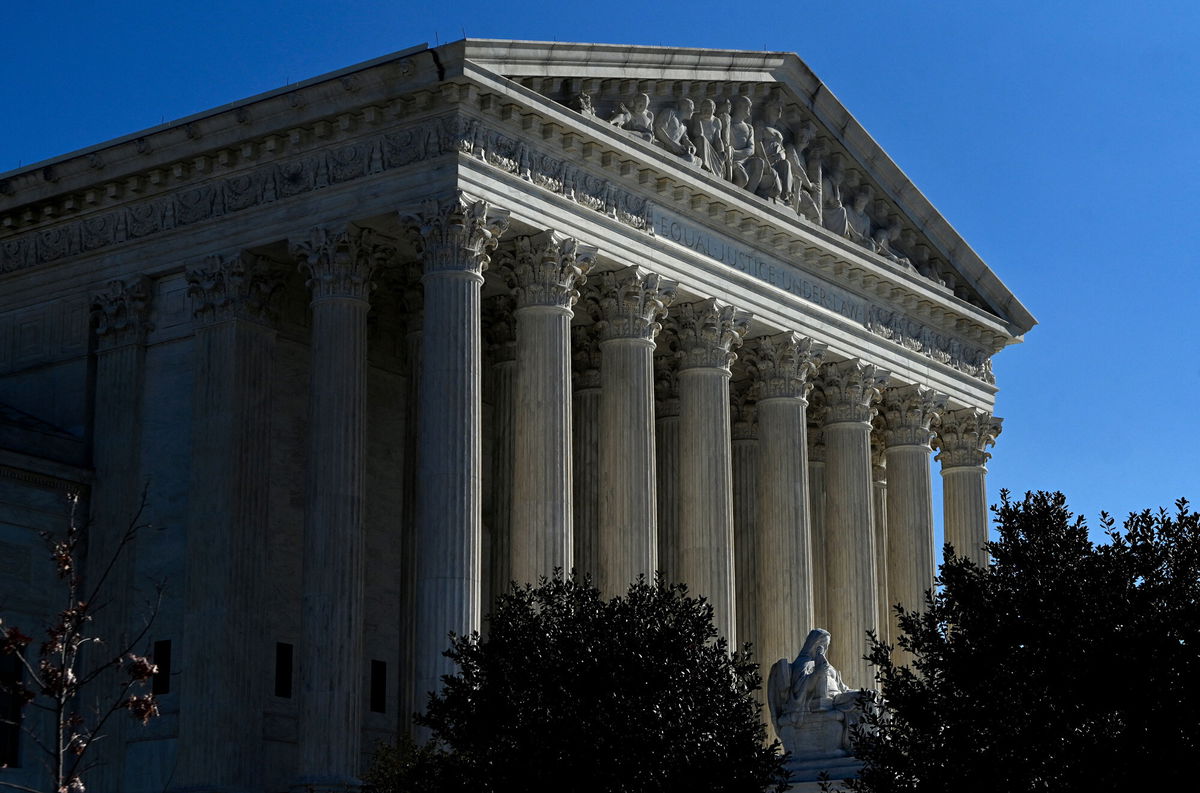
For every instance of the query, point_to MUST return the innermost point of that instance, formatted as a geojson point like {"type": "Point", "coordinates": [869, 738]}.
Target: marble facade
{"type": "Point", "coordinates": [386, 339]}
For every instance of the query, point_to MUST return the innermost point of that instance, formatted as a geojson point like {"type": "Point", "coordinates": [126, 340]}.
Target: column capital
{"type": "Point", "coordinates": [816, 426]}
{"type": "Point", "coordinates": [121, 312]}
{"type": "Point", "coordinates": [708, 332]}
{"type": "Point", "coordinates": [963, 437]}
{"type": "Point", "coordinates": [784, 364]}
{"type": "Point", "coordinates": [851, 389]}
{"type": "Point", "coordinates": [456, 234]}
{"type": "Point", "coordinates": [546, 269]}
{"type": "Point", "coordinates": [237, 286]}
{"type": "Point", "coordinates": [908, 412]}
{"type": "Point", "coordinates": [585, 357]}
{"type": "Point", "coordinates": [500, 328]}
{"type": "Point", "coordinates": [340, 261]}
{"type": "Point", "coordinates": [630, 302]}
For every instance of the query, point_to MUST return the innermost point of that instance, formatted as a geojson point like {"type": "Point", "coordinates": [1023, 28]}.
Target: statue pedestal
{"type": "Point", "coordinates": [816, 744]}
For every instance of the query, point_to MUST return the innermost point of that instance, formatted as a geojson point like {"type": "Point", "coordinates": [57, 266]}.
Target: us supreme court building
{"type": "Point", "coordinates": [377, 343]}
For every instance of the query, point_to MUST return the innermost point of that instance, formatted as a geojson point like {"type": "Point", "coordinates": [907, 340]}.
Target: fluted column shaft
{"type": "Point", "coordinates": [708, 331]}
{"type": "Point", "coordinates": [407, 704]}
{"type": "Point", "coordinates": [745, 517]}
{"type": "Point", "coordinates": [783, 365]}
{"type": "Point", "coordinates": [544, 271]}
{"type": "Point", "coordinates": [850, 388]}
{"type": "Point", "coordinates": [962, 441]}
{"type": "Point", "coordinates": [455, 237]}
{"type": "Point", "coordinates": [880, 514]}
{"type": "Point", "coordinates": [630, 301]}
{"type": "Point", "coordinates": [666, 463]}
{"type": "Point", "coordinates": [585, 451]}
{"type": "Point", "coordinates": [121, 317]}
{"type": "Point", "coordinates": [504, 372]}
{"type": "Point", "coordinates": [816, 506]}
{"type": "Point", "coordinates": [227, 522]}
{"type": "Point", "coordinates": [340, 265]}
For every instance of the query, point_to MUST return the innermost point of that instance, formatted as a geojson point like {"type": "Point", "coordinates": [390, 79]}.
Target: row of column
{"type": "Point", "coordinates": [657, 492]}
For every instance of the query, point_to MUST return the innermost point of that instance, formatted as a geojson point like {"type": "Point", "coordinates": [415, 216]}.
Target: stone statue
{"type": "Point", "coordinates": [769, 171]}
{"type": "Point", "coordinates": [707, 137]}
{"type": "Point", "coordinates": [582, 103]}
{"type": "Point", "coordinates": [671, 130]}
{"type": "Point", "coordinates": [741, 140]}
{"type": "Point", "coordinates": [858, 222]}
{"type": "Point", "coordinates": [812, 709]}
{"type": "Point", "coordinates": [639, 121]}
{"type": "Point", "coordinates": [883, 238]}
{"type": "Point", "coordinates": [804, 158]}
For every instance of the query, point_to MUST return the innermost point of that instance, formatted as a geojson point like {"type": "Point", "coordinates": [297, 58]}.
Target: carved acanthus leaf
{"type": "Point", "coordinates": [851, 389]}
{"type": "Point", "coordinates": [121, 312]}
{"type": "Point", "coordinates": [743, 411]}
{"type": "Point", "coordinates": [708, 332]}
{"type": "Point", "coordinates": [456, 234]}
{"type": "Point", "coordinates": [242, 285]}
{"type": "Point", "coordinates": [963, 437]}
{"type": "Point", "coordinates": [340, 262]}
{"type": "Point", "coordinates": [784, 364]}
{"type": "Point", "coordinates": [908, 414]}
{"type": "Point", "coordinates": [499, 328]}
{"type": "Point", "coordinates": [631, 301]}
{"type": "Point", "coordinates": [547, 269]}
{"type": "Point", "coordinates": [666, 374]}
{"type": "Point", "coordinates": [585, 356]}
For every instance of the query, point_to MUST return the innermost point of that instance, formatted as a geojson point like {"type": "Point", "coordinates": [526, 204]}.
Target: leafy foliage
{"type": "Point", "coordinates": [569, 691]}
{"type": "Point", "coordinates": [1061, 666]}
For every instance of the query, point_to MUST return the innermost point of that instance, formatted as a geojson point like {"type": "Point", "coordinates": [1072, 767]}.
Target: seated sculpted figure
{"type": "Point", "coordinates": [671, 130]}
{"type": "Point", "coordinates": [639, 120]}
{"type": "Point", "coordinates": [708, 137]}
{"type": "Point", "coordinates": [741, 140]}
{"type": "Point", "coordinates": [811, 708]}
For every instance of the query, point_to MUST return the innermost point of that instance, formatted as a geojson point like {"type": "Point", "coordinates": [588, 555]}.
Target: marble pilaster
{"type": "Point", "coordinates": [708, 332]}
{"type": "Point", "coordinates": [412, 301]}
{"type": "Point", "coordinates": [227, 520]}
{"type": "Point", "coordinates": [850, 389]}
{"type": "Point", "coordinates": [340, 264]}
{"type": "Point", "coordinates": [585, 449]}
{"type": "Point", "coordinates": [545, 272]}
{"type": "Point", "coordinates": [962, 440]}
{"type": "Point", "coordinates": [121, 319]}
{"type": "Point", "coordinates": [783, 365]}
{"type": "Point", "coordinates": [454, 236]}
{"type": "Point", "coordinates": [631, 301]}
{"type": "Point", "coordinates": [907, 414]}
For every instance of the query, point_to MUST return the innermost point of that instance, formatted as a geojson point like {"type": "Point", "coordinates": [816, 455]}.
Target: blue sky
{"type": "Point", "coordinates": [1060, 139]}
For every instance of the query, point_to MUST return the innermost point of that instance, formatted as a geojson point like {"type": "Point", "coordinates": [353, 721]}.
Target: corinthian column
{"type": "Point", "coordinates": [585, 449]}
{"type": "Point", "coordinates": [120, 314]}
{"type": "Point", "coordinates": [666, 454]}
{"type": "Point", "coordinates": [454, 237]}
{"type": "Point", "coordinates": [745, 509]}
{"type": "Point", "coordinates": [708, 332]}
{"type": "Point", "coordinates": [501, 334]}
{"type": "Point", "coordinates": [340, 264]}
{"type": "Point", "coordinates": [783, 365]}
{"type": "Point", "coordinates": [962, 440]}
{"type": "Point", "coordinates": [631, 301]}
{"type": "Point", "coordinates": [850, 389]}
{"type": "Point", "coordinates": [227, 518]}
{"type": "Point", "coordinates": [907, 415]}
{"type": "Point", "coordinates": [544, 272]}
{"type": "Point", "coordinates": [816, 505]}
{"type": "Point", "coordinates": [880, 514]}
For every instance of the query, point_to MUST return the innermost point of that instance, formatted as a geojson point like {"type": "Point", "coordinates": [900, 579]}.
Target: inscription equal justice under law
{"type": "Point", "coordinates": [748, 261]}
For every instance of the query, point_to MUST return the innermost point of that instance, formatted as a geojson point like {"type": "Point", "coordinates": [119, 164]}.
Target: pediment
{"type": "Point", "coordinates": [763, 124]}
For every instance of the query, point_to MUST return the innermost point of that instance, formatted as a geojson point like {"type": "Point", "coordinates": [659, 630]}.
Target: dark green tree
{"type": "Point", "coordinates": [1063, 665]}
{"type": "Point", "coordinates": [570, 691]}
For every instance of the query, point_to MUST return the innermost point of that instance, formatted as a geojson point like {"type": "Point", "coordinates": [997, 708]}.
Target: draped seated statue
{"type": "Point", "coordinates": [812, 709]}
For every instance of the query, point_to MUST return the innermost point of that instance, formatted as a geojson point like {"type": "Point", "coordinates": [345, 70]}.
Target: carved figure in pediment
{"type": "Point", "coordinates": [918, 254]}
{"type": "Point", "coordinates": [741, 140]}
{"type": "Point", "coordinates": [851, 220]}
{"type": "Point", "coordinates": [707, 136]}
{"type": "Point", "coordinates": [671, 130]}
{"type": "Point", "coordinates": [834, 210]}
{"type": "Point", "coordinates": [884, 237]}
{"type": "Point", "coordinates": [769, 171]}
{"type": "Point", "coordinates": [639, 120]}
{"type": "Point", "coordinates": [805, 198]}
{"type": "Point", "coordinates": [582, 103]}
